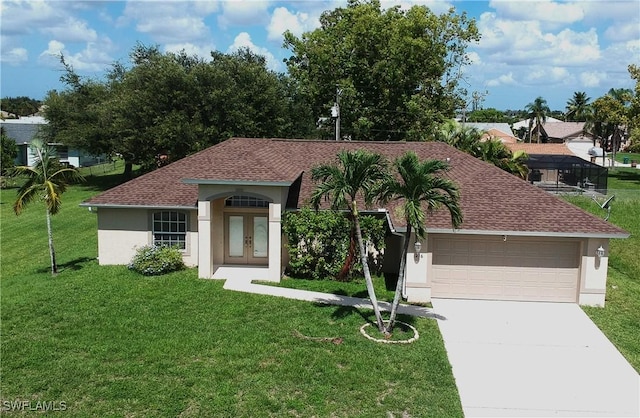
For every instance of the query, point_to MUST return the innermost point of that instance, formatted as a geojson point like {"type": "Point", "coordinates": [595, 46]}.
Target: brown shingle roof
{"type": "Point", "coordinates": [540, 149]}
{"type": "Point", "coordinates": [562, 130]}
{"type": "Point", "coordinates": [491, 199]}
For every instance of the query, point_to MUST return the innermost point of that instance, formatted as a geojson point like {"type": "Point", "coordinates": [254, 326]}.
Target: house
{"type": "Point", "coordinates": [25, 129]}
{"type": "Point", "coordinates": [223, 207]}
{"type": "Point", "coordinates": [561, 132]}
{"type": "Point", "coordinates": [500, 131]}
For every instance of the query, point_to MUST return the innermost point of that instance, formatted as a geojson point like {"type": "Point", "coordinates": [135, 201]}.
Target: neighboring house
{"type": "Point", "coordinates": [561, 132]}
{"type": "Point", "coordinates": [223, 207]}
{"type": "Point", "coordinates": [525, 123]}
{"type": "Point", "coordinates": [25, 129]}
{"type": "Point", "coordinates": [500, 131]}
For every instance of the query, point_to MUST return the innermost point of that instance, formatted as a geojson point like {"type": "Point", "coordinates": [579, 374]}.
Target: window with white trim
{"type": "Point", "coordinates": [170, 229]}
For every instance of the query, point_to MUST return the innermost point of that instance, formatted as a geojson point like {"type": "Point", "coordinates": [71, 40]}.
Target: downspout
{"type": "Point", "coordinates": [395, 232]}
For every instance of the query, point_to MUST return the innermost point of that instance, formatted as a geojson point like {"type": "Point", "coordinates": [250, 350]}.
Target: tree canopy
{"type": "Point", "coordinates": [169, 105]}
{"type": "Point", "coordinates": [396, 71]}
{"type": "Point", "coordinates": [20, 106]}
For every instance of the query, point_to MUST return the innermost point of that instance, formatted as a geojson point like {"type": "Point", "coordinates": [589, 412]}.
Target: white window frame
{"type": "Point", "coordinates": [170, 229]}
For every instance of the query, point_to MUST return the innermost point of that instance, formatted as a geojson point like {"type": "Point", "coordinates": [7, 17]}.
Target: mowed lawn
{"type": "Point", "coordinates": [108, 342]}
{"type": "Point", "coordinates": [620, 319]}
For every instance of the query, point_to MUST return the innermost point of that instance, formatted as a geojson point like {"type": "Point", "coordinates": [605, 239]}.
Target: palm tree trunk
{"type": "Point", "coordinates": [401, 279]}
{"type": "Point", "coordinates": [343, 274]}
{"type": "Point", "coordinates": [367, 275]}
{"type": "Point", "coordinates": [52, 251]}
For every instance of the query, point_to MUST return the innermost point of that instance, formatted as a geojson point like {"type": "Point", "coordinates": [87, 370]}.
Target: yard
{"type": "Point", "coordinates": [106, 341]}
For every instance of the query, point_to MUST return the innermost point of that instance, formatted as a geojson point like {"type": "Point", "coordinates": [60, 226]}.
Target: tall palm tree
{"type": "Point", "coordinates": [422, 191]}
{"type": "Point", "coordinates": [578, 107]}
{"type": "Point", "coordinates": [538, 111]}
{"type": "Point", "coordinates": [358, 174]}
{"type": "Point", "coordinates": [45, 181]}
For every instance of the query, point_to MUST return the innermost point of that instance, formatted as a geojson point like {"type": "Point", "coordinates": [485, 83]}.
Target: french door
{"type": "Point", "coordinates": [246, 238]}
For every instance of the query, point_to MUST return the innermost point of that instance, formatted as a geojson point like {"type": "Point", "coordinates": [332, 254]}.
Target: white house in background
{"type": "Point", "coordinates": [25, 129]}
{"type": "Point", "coordinates": [223, 207]}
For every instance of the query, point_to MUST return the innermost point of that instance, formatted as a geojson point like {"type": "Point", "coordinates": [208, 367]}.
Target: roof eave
{"type": "Point", "coordinates": [238, 182]}
{"type": "Point", "coordinates": [122, 206]}
{"type": "Point", "coordinates": [527, 233]}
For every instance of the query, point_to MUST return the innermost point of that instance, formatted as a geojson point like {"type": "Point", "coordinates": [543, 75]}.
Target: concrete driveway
{"type": "Point", "coordinates": [534, 359]}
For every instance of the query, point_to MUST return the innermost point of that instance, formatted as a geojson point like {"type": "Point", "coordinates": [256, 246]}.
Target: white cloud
{"type": "Point", "coordinates": [71, 30]}
{"type": "Point", "coordinates": [243, 13]}
{"type": "Point", "coordinates": [243, 40]}
{"type": "Point", "coordinates": [93, 58]}
{"type": "Point", "coordinates": [15, 56]}
{"type": "Point", "coordinates": [504, 79]}
{"type": "Point", "coordinates": [546, 11]}
{"type": "Point", "coordinates": [474, 58]}
{"type": "Point", "coordinates": [168, 22]}
{"type": "Point", "coordinates": [623, 31]}
{"type": "Point", "coordinates": [592, 78]}
{"type": "Point", "coordinates": [283, 20]}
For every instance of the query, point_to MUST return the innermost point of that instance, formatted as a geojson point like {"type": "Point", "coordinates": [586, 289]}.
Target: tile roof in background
{"type": "Point", "coordinates": [491, 199]}
{"type": "Point", "coordinates": [564, 130]}
{"type": "Point", "coordinates": [540, 149]}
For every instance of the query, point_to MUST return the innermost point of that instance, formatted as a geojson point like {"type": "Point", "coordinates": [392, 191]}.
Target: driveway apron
{"type": "Point", "coordinates": [534, 359]}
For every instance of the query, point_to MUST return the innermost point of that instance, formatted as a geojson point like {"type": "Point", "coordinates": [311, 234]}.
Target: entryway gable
{"type": "Point", "coordinates": [239, 225]}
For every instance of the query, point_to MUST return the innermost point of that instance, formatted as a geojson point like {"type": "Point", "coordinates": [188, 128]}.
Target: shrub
{"type": "Point", "coordinates": [318, 242]}
{"type": "Point", "coordinates": [152, 260]}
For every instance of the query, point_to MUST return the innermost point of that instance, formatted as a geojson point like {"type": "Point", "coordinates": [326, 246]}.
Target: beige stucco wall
{"type": "Point", "coordinates": [121, 231]}
{"type": "Point", "coordinates": [592, 271]}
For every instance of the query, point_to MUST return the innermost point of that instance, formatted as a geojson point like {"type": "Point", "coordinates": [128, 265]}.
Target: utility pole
{"type": "Point", "coordinates": [335, 112]}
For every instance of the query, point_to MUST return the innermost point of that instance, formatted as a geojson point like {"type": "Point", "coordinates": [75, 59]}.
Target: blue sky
{"type": "Point", "coordinates": [529, 48]}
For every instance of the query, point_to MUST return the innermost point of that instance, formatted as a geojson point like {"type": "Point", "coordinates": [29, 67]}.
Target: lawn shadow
{"type": "Point", "coordinates": [72, 265]}
{"type": "Point", "coordinates": [626, 175]}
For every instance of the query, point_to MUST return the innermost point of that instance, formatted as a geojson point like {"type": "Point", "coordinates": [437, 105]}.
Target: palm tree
{"type": "Point", "coordinates": [464, 138]}
{"type": "Point", "coordinates": [578, 107]}
{"type": "Point", "coordinates": [358, 174]}
{"type": "Point", "coordinates": [421, 190]}
{"type": "Point", "coordinates": [45, 181]}
{"type": "Point", "coordinates": [538, 111]}
{"type": "Point", "coordinates": [495, 152]}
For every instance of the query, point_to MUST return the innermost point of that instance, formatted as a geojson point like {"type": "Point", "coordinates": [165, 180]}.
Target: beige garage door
{"type": "Point", "coordinates": [516, 269]}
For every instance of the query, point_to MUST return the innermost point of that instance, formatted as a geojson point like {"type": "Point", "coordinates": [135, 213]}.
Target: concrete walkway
{"type": "Point", "coordinates": [245, 285]}
{"type": "Point", "coordinates": [519, 359]}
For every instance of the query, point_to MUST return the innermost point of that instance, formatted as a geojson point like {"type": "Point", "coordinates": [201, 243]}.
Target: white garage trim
{"type": "Point", "coordinates": [515, 268]}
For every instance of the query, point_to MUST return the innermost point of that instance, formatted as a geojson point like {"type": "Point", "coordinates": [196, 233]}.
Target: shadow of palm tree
{"type": "Point", "coordinates": [73, 265]}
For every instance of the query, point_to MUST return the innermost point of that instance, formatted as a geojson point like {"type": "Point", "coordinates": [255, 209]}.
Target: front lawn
{"type": "Point", "coordinates": [620, 318]}
{"type": "Point", "coordinates": [108, 342]}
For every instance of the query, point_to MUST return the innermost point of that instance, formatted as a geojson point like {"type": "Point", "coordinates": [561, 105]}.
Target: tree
{"type": "Point", "coordinates": [538, 111]}
{"type": "Point", "coordinates": [45, 181]}
{"type": "Point", "coordinates": [422, 190]}
{"type": "Point", "coordinates": [610, 118]}
{"type": "Point", "coordinates": [357, 175]}
{"type": "Point", "coordinates": [578, 107]}
{"type": "Point", "coordinates": [170, 105]}
{"type": "Point", "coordinates": [487, 115]}
{"type": "Point", "coordinates": [20, 106]}
{"type": "Point", "coordinates": [495, 152]}
{"type": "Point", "coordinates": [634, 109]}
{"type": "Point", "coordinates": [396, 70]}
{"type": "Point", "coordinates": [8, 152]}
{"type": "Point", "coordinates": [463, 137]}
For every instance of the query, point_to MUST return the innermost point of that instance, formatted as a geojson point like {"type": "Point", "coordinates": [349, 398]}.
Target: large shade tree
{"type": "Point", "coordinates": [46, 181]}
{"type": "Point", "coordinates": [164, 106]}
{"type": "Point", "coordinates": [537, 111]}
{"type": "Point", "coordinates": [421, 188]}
{"type": "Point", "coordinates": [357, 176]}
{"type": "Point", "coordinates": [396, 70]}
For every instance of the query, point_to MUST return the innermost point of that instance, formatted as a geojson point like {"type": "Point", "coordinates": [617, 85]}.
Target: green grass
{"type": "Point", "coordinates": [355, 287]}
{"type": "Point", "coordinates": [630, 155]}
{"type": "Point", "coordinates": [109, 342]}
{"type": "Point", "coordinates": [620, 318]}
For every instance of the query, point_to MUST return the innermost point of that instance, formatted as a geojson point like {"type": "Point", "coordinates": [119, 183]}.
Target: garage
{"type": "Point", "coordinates": [505, 268]}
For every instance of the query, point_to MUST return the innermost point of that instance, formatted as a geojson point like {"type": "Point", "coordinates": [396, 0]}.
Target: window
{"type": "Point", "coordinates": [242, 201]}
{"type": "Point", "coordinates": [170, 229]}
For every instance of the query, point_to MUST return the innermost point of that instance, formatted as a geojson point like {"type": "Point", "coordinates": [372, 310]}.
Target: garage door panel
{"type": "Point", "coordinates": [493, 269]}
